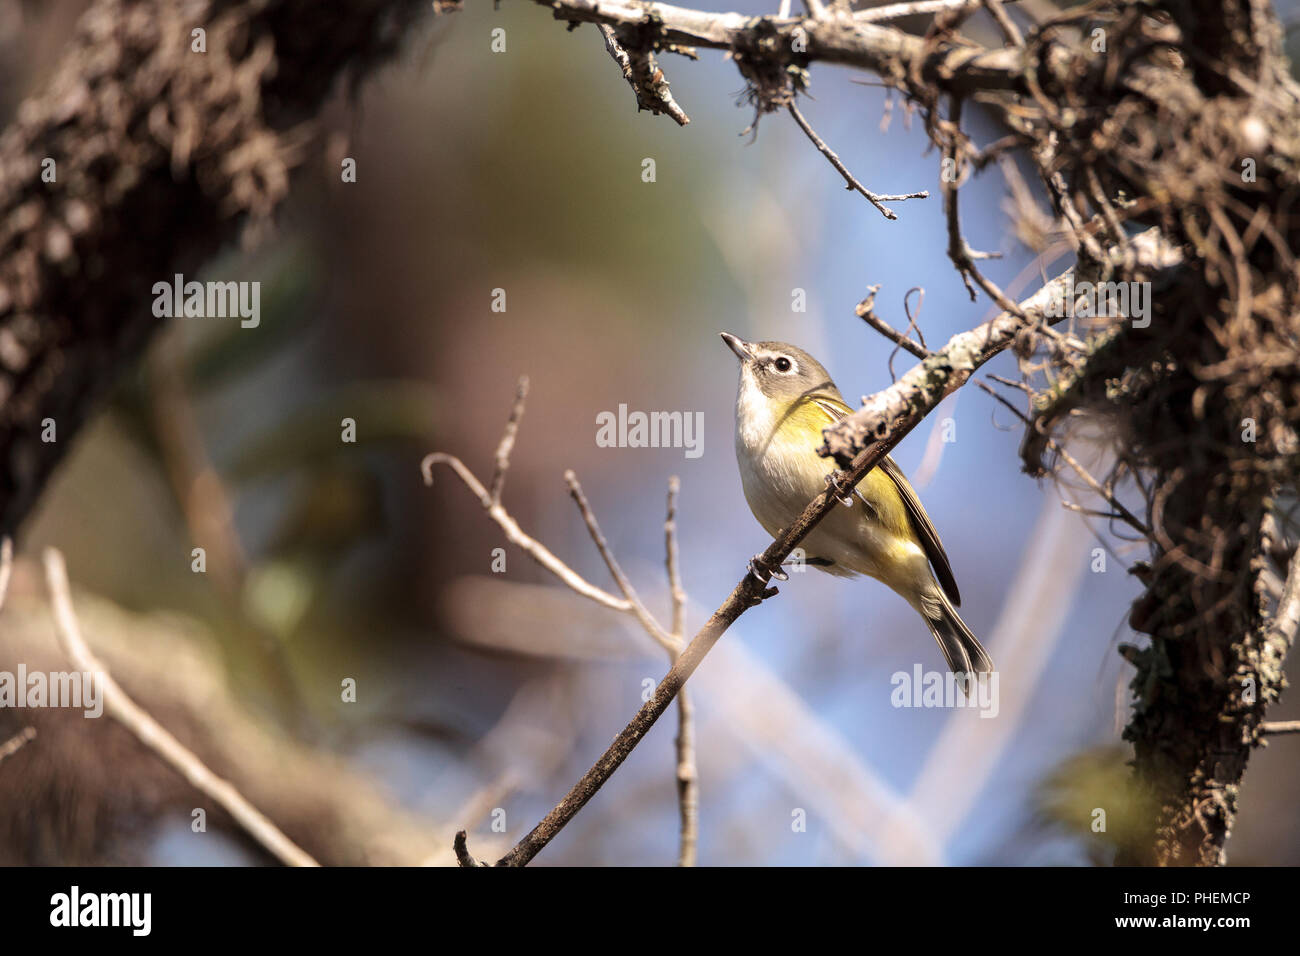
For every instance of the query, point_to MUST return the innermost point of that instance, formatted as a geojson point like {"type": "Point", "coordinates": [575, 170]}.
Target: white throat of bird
{"type": "Point", "coordinates": [756, 416]}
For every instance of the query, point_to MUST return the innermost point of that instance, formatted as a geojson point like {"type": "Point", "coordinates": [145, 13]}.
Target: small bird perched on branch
{"type": "Point", "coordinates": [785, 400]}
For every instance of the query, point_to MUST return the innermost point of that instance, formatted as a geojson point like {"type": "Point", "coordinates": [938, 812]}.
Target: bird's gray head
{"type": "Point", "coordinates": [779, 371]}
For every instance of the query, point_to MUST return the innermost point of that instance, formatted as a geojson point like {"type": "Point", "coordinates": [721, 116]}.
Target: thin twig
{"type": "Point", "coordinates": [1004, 21]}
{"type": "Point", "coordinates": [1082, 232]}
{"type": "Point", "coordinates": [463, 856]}
{"type": "Point", "coordinates": [688, 798]}
{"type": "Point", "coordinates": [688, 794]}
{"type": "Point", "coordinates": [16, 742]}
{"type": "Point", "coordinates": [153, 735]}
{"type": "Point", "coordinates": [954, 364]}
{"type": "Point", "coordinates": [1275, 727]}
{"type": "Point", "coordinates": [1090, 512]}
{"type": "Point", "coordinates": [866, 310]}
{"type": "Point", "coordinates": [914, 321]}
{"type": "Point", "coordinates": [631, 603]}
{"type": "Point", "coordinates": [1011, 383]}
{"type": "Point", "coordinates": [959, 251]}
{"type": "Point", "coordinates": [686, 772]}
{"type": "Point", "coordinates": [507, 444]}
{"type": "Point", "coordinates": [644, 76]}
{"type": "Point", "coordinates": [895, 11]}
{"type": "Point", "coordinates": [1103, 203]}
{"type": "Point", "coordinates": [673, 559]}
{"type": "Point", "coordinates": [1120, 511]}
{"type": "Point", "coordinates": [516, 536]}
{"type": "Point", "coordinates": [875, 199]}
{"type": "Point", "coordinates": [639, 610]}
{"type": "Point", "coordinates": [912, 326]}
{"type": "Point", "coordinates": [6, 566]}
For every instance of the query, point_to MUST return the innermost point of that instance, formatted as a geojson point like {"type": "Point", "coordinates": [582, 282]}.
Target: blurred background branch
{"type": "Point", "coordinates": [671, 641]}
{"type": "Point", "coordinates": [120, 707]}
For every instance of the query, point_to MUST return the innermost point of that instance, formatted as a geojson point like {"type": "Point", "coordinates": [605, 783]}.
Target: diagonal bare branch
{"type": "Point", "coordinates": [516, 536]}
{"type": "Point", "coordinates": [152, 734]}
{"type": "Point", "coordinates": [639, 610]}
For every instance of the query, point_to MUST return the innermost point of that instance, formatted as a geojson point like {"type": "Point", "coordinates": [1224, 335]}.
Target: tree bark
{"type": "Point", "coordinates": [139, 161]}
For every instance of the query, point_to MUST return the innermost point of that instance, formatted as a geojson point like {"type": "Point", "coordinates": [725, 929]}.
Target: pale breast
{"type": "Point", "coordinates": [780, 473]}
{"type": "Point", "coordinates": [779, 479]}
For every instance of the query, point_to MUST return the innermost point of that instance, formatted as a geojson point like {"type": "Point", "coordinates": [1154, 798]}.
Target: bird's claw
{"type": "Point", "coordinates": [835, 482]}
{"type": "Point", "coordinates": [759, 569]}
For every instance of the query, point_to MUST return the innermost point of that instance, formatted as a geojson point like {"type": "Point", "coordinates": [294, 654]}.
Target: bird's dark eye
{"type": "Point", "coordinates": [782, 364]}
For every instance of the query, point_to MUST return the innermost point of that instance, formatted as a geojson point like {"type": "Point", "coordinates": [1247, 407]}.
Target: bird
{"type": "Point", "coordinates": [784, 401]}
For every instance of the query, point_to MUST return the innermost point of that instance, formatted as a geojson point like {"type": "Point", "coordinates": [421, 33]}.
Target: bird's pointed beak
{"type": "Point", "coordinates": [740, 347]}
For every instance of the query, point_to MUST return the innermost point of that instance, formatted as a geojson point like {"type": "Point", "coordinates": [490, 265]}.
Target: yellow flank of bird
{"type": "Point", "coordinates": [811, 415]}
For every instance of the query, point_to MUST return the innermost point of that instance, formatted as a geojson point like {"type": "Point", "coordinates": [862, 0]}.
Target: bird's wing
{"type": "Point", "coordinates": [921, 523]}
{"type": "Point", "coordinates": [925, 529]}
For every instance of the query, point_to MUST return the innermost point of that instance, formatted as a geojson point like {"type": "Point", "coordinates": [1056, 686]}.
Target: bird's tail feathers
{"type": "Point", "coordinates": [961, 648]}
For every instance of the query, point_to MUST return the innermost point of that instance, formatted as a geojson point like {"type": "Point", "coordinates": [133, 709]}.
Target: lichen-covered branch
{"type": "Point", "coordinates": [798, 41]}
